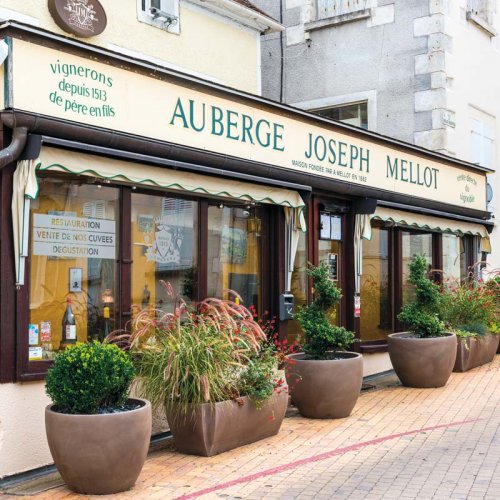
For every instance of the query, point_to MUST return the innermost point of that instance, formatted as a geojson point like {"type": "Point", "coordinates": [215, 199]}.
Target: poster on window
{"type": "Point", "coordinates": [333, 266]}
{"type": "Point", "coordinates": [233, 245]}
{"type": "Point", "coordinates": [357, 306]}
{"type": "Point", "coordinates": [72, 237]}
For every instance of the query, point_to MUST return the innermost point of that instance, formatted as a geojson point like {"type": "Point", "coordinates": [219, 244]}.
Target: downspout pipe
{"type": "Point", "coordinates": [13, 151]}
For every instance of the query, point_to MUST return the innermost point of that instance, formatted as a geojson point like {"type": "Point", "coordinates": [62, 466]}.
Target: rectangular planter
{"type": "Point", "coordinates": [209, 429]}
{"type": "Point", "coordinates": [475, 351]}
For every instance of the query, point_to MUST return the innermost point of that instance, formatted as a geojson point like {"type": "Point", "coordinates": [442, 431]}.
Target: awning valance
{"type": "Point", "coordinates": [59, 160]}
{"type": "Point", "coordinates": [432, 223]}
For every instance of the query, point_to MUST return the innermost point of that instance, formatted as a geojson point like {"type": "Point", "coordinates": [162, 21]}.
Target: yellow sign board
{"type": "Point", "coordinates": [56, 84]}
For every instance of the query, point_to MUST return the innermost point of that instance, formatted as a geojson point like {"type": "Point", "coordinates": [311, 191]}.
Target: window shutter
{"type": "Point", "coordinates": [95, 209]}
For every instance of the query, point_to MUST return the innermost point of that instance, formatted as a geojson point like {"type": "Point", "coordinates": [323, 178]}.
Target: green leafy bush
{"type": "Point", "coordinates": [471, 307]}
{"type": "Point", "coordinates": [259, 379]}
{"type": "Point", "coordinates": [88, 377]}
{"type": "Point", "coordinates": [421, 316]}
{"type": "Point", "coordinates": [322, 338]}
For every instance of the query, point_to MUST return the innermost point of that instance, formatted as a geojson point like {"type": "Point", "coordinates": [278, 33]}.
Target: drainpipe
{"type": "Point", "coordinates": [12, 152]}
{"type": "Point", "coordinates": [282, 53]}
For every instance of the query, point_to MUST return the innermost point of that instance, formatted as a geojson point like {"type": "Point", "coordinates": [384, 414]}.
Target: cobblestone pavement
{"type": "Point", "coordinates": [398, 443]}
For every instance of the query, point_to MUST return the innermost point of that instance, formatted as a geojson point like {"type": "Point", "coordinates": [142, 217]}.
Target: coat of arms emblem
{"type": "Point", "coordinates": [84, 18]}
{"type": "Point", "coordinates": [166, 246]}
{"type": "Point", "coordinates": [81, 14]}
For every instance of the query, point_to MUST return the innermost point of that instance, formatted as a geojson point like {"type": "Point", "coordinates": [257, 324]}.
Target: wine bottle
{"type": "Point", "coordinates": [68, 325]}
{"type": "Point", "coordinates": [107, 328]}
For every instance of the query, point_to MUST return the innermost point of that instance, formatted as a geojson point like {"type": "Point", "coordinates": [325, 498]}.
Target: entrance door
{"type": "Point", "coordinates": [329, 249]}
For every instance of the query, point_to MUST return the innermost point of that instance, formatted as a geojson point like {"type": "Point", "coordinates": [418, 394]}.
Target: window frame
{"type": "Point", "coordinates": [342, 106]}
{"type": "Point", "coordinates": [171, 7]}
{"type": "Point", "coordinates": [21, 369]}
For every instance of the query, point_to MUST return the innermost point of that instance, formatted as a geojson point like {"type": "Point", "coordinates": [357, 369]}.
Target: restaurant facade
{"type": "Point", "coordinates": [118, 177]}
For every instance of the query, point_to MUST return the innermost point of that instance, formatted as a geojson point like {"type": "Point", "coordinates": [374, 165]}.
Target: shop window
{"type": "Point", "coordinates": [376, 312]}
{"type": "Point", "coordinates": [164, 251]}
{"type": "Point", "coordinates": [234, 256]}
{"type": "Point", "coordinates": [73, 275]}
{"type": "Point", "coordinates": [455, 259]}
{"type": "Point", "coordinates": [414, 243]}
{"type": "Point", "coordinates": [162, 14]}
{"type": "Point", "coordinates": [353, 114]}
{"type": "Point", "coordinates": [299, 286]}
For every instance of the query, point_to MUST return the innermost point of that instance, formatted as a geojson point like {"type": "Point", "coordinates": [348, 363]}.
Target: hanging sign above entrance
{"type": "Point", "coordinates": [84, 91]}
{"type": "Point", "coordinates": [83, 18]}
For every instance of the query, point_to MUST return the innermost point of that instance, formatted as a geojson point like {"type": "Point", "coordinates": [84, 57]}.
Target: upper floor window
{"type": "Point", "coordinates": [333, 8]}
{"type": "Point", "coordinates": [163, 14]}
{"type": "Point", "coordinates": [482, 143]}
{"type": "Point", "coordinates": [481, 13]}
{"type": "Point", "coordinates": [353, 114]}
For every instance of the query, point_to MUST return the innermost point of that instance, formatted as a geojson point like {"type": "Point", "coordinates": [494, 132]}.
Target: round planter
{"type": "Point", "coordinates": [99, 454]}
{"type": "Point", "coordinates": [325, 388]}
{"type": "Point", "coordinates": [422, 362]}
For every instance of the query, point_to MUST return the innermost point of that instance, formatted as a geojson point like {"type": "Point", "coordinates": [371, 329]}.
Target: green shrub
{"type": "Point", "coordinates": [421, 316]}
{"type": "Point", "coordinates": [321, 336]}
{"type": "Point", "coordinates": [258, 380]}
{"type": "Point", "coordinates": [471, 307]}
{"type": "Point", "coordinates": [88, 377]}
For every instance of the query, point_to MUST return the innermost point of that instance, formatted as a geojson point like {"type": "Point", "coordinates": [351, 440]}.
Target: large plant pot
{"type": "Point", "coordinates": [475, 351]}
{"type": "Point", "coordinates": [325, 388]}
{"type": "Point", "coordinates": [422, 362]}
{"type": "Point", "coordinates": [209, 429]}
{"type": "Point", "coordinates": [99, 454]}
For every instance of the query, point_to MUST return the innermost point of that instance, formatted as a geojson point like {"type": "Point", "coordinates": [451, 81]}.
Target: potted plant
{"type": "Point", "coordinates": [330, 376]}
{"type": "Point", "coordinates": [425, 355]}
{"type": "Point", "coordinates": [98, 437]}
{"type": "Point", "coordinates": [470, 310]}
{"type": "Point", "coordinates": [213, 371]}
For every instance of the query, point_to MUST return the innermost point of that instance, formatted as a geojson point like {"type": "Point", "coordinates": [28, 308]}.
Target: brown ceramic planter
{"type": "Point", "coordinates": [99, 454]}
{"type": "Point", "coordinates": [475, 351]}
{"type": "Point", "coordinates": [422, 362]}
{"type": "Point", "coordinates": [325, 388]}
{"type": "Point", "coordinates": [209, 429]}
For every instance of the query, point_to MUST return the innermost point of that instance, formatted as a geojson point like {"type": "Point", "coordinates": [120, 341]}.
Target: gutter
{"type": "Point", "coordinates": [13, 151]}
{"type": "Point", "coordinates": [253, 18]}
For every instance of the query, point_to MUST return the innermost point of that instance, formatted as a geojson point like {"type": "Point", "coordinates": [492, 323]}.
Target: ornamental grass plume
{"type": "Point", "coordinates": [471, 308]}
{"type": "Point", "coordinates": [210, 354]}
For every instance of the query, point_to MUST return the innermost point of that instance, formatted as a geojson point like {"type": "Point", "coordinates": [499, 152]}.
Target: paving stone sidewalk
{"type": "Point", "coordinates": [398, 443]}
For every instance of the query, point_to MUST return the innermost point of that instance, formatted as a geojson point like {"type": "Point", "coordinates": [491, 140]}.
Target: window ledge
{"type": "Point", "coordinates": [481, 23]}
{"type": "Point", "coordinates": [338, 20]}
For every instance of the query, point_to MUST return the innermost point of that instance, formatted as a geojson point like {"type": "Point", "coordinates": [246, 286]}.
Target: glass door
{"type": "Point", "coordinates": [329, 252]}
